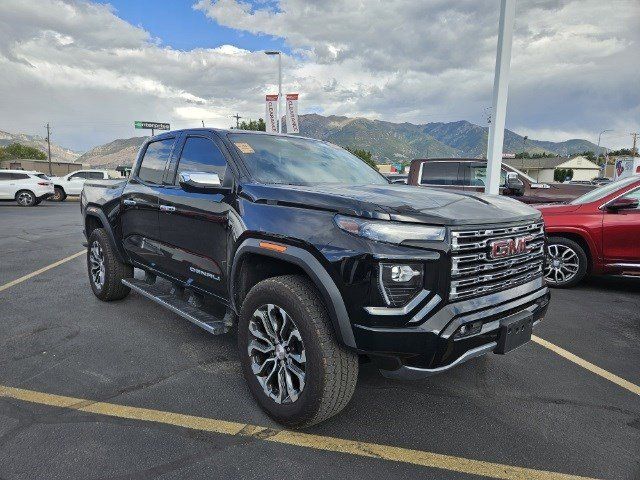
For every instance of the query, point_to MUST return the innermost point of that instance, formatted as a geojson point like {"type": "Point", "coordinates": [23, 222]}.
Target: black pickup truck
{"type": "Point", "coordinates": [316, 260]}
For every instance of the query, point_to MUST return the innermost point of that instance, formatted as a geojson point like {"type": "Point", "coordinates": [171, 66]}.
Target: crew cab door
{"type": "Point", "coordinates": [441, 173]}
{"type": "Point", "coordinates": [139, 203]}
{"type": "Point", "coordinates": [620, 233]}
{"type": "Point", "coordinates": [74, 183]}
{"type": "Point", "coordinates": [194, 225]}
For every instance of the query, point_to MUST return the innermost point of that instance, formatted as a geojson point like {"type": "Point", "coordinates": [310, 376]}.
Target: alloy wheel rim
{"type": "Point", "coordinates": [562, 264]}
{"type": "Point", "coordinates": [96, 262]}
{"type": "Point", "coordinates": [277, 354]}
{"type": "Point", "coordinates": [24, 198]}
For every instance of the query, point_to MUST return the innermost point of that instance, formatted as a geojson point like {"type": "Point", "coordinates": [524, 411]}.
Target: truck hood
{"type": "Point", "coordinates": [395, 202]}
{"type": "Point", "coordinates": [556, 209]}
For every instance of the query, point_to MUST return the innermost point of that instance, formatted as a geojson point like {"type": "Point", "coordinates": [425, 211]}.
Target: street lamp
{"type": "Point", "coordinates": [279, 54]}
{"type": "Point", "coordinates": [599, 137]}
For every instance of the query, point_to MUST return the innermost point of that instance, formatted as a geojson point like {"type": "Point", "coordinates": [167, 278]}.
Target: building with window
{"type": "Point", "coordinates": [58, 169]}
{"type": "Point", "coordinates": [543, 169]}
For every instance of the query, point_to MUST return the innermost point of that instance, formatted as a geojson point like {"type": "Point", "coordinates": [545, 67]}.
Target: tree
{"type": "Point", "coordinates": [258, 126]}
{"type": "Point", "coordinates": [589, 155]}
{"type": "Point", "coordinates": [623, 152]}
{"type": "Point", "coordinates": [16, 150]}
{"type": "Point", "coordinates": [561, 174]}
{"type": "Point", "coordinates": [363, 155]}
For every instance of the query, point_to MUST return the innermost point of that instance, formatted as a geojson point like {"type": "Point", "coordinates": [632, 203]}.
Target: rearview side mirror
{"type": "Point", "coordinates": [622, 203]}
{"type": "Point", "coordinates": [514, 184]}
{"type": "Point", "coordinates": [199, 181]}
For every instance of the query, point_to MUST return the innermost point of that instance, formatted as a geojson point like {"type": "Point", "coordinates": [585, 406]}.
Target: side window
{"type": "Point", "coordinates": [95, 175]}
{"type": "Point", "coordinates": [440, 173]}
{"type": "Point", "coordinates": [5, 176]}
{"type": "Point", "coordinates": [476, 175]}
{"type": "Point", "coordinates": [19, 176]}
{"type": "Point", "coordinates": [635, 194]}
{"type": "Point", "coordinates": [78, 176]}
{"type": "Point", "coordinates": [201, 155]}
{"type": "Point", "coordinates": [155, 157]}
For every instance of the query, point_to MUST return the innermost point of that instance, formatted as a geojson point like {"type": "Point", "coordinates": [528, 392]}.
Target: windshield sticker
{"type": "Point", "coordinates": [244, 147]}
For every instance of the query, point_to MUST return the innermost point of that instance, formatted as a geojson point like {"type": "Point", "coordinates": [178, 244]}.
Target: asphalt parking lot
{"type": "Point", "coordinates": [70, 364]}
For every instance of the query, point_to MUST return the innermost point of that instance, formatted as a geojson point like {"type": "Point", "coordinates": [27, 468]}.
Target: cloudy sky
{"type": "Point", "coordinates": [92, 68]}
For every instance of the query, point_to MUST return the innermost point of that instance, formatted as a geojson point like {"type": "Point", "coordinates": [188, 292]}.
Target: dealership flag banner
{"type": "Point", "coordinates": [271, 114]}
{"type": "Point", "coordinates": [291, 111]}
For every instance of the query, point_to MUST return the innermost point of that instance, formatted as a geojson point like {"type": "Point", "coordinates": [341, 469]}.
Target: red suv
{"type": "Point", "coordinates": [597, 233]}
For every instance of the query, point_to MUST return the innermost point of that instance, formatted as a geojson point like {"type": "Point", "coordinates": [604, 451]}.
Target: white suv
{"type": "Point", "coordinates": [26, 188]}
{"type": "Point", "coordinates": [72, 183]}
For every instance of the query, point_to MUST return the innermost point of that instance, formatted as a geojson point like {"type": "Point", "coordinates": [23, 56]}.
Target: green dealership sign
{"type": "Point", "coordinates": [152, 125]}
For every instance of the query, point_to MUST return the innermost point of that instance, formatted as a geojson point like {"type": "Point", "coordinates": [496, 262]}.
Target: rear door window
{"type": "Point", "coordinates": [95, 175]}
{"type": "Point", "coordinates": [440, 173]}
{"type": "Point", "coordinates": [19, 176]}
{"type": "Point", "coordinates": [201, 154]}
{"type": "Point", "coordinates": [5, 176]}
{"type": "Point", "coordinates": [157, 154]}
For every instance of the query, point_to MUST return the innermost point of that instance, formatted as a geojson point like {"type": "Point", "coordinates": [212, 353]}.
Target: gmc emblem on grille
{"type": "Point", "coordinates": [506, 247]}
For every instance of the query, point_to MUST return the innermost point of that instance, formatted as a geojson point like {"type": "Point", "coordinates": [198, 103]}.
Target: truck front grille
{"type": "Point", "coordinates": [487, 260]}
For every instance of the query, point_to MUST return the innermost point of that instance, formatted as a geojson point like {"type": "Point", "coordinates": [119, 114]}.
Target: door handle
{"type": "Point", "coordinates": [167, 208]}
{"type": "Point", "coordinates": [129, 203]}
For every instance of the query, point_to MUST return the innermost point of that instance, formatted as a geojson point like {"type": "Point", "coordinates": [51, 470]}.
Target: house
{"type": "Point", "coordinates": [57, 168]}
{"type": "Point", "coordinates": [542, 169]}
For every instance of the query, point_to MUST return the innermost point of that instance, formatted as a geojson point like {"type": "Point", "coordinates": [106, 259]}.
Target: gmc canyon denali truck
{"type": "Point", "coordinates": [316, 260]}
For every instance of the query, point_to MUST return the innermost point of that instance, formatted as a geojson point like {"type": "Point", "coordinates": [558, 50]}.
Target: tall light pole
{"type": "Point", "coordinates": [599, 137]}
{"type": "Point", "coordinates": [500, 88]}
{"type": "Point", "coordinates": [279, 54]}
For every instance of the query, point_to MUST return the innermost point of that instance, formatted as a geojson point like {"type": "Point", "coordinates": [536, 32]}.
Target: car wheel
{"type": "Point", "coordinates": [58, 195]}
{"type": "Point", "coordinates": [106, 272]}
{"type": "Point", "coordinates": [294, 366]}
{"type": "Point", "coordinates": [566, 262]}
{"type": "Point", "coordinates": [25, 198]}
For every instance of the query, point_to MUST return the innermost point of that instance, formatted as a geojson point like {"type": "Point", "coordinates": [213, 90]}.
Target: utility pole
{"type": "Point", "coordinates": [237, 117]}
{"type": "Point", "coordinates": [49, 146]}
{"type": "Point", "coordinates": [524, 144]}
{"type": "Point", "coordinates": [500, 89]}
{"type": "Point", "coordinates": [634, 150]}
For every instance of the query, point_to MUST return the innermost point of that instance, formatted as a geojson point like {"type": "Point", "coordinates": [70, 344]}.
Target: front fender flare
{"type": "Point", "coordinates": [93, 211]}
{"type": "Point", "coordinates": [318, 275]}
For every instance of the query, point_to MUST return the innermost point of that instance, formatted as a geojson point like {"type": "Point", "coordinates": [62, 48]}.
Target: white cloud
{"type": "Point", "coordinates": [91, 74]}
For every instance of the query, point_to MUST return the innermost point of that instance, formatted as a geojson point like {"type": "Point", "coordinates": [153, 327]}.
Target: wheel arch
{"type": "Point", "coordinates": [582, 239]}
{"type": "Point", "coordinates": [95, 218]}
{"type": "Point", "coordinates": [290, 260]}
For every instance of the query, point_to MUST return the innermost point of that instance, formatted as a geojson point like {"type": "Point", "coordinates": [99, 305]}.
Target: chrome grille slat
{"type": "Point", "coordinates": [474, 273]}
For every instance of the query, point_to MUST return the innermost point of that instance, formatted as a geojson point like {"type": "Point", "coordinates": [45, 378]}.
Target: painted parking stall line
{"type": "Point", "coordinates": [41, 270]}
{"type": "Point", "coordinates": [626, 384]}
{"type": "Point", "coordinates": [287, 437]}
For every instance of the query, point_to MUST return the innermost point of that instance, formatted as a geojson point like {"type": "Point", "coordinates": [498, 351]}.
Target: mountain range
{"type": "Point", "coordinates": [387, 141]}
{"type": "Point", "coordinates": [58, 153]}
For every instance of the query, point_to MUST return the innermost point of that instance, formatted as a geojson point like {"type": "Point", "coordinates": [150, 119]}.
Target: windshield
{"type": "Point", "coordinates": [603, 191]}
{"type": "Point", "coordinates": [301, 161]}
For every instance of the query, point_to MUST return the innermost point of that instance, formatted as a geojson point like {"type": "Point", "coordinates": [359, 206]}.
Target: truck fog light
{"type": "Point", "coordinates": [399, 283]}
{"type": "Point", "coordinates": [468, 329]}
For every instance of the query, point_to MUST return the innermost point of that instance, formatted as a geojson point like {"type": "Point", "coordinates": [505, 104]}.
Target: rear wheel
{"type": "Point", "coordinates": [25, 198]}
{"type": "Point", "coordinates": [566, 262]}
{"type": "Point", "coordinates": [106, 272]}
{"type": "Point", "coordinates": [294, 366]}
{"type": "Point", "coordinates": [58, 195]}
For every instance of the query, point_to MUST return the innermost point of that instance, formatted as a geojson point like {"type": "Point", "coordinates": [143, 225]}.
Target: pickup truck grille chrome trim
{"type": "Point", "coordinates": [474, 272]}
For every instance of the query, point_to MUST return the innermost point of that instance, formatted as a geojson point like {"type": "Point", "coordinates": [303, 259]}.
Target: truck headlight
{"type": "Point", "coordinates": [386, 231]}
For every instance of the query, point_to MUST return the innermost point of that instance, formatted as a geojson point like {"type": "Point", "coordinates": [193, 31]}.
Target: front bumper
{"type": "Point", "coordinates": [429, 347]}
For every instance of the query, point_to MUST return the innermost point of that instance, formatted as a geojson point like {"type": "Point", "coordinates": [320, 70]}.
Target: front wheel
{"type": "Point", "coordinates": [294, 366]}
{"type": "Point", "coordinates": [58, 195]}
{"type": "Point", "coordinates": [566, 262]}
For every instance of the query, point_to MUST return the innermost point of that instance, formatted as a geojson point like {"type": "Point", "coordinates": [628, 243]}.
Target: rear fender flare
{"type": "Point", "coordinates": [318, 275]}
{"type": "Point", "coordinates": [92, 211]}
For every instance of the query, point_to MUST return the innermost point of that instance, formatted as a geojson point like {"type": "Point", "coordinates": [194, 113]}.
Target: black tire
{"type": "Point", "coordinates": [38, 201]}
{"type": "Point", "coordinates": [331, 371]}
{"type": "Point", "coordinates": [573, 261]}
{"type": "Point", "coordinates": [114, 270]}
{"type": "Point", "coordinates": [59, 195]}
{"type": "Point", "coordinates": [26, 198]}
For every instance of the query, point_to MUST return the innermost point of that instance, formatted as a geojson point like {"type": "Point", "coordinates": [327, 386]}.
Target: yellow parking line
{"type": "Point", "coordinates": [626, 384]}
{"type": "Point", "coordinates": [286, 437]}
{"type": "Point", "coordinates": [42, 270]}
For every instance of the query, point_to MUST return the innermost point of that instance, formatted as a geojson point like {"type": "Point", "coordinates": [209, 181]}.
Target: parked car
{"type": "Point", "coordinates": [316, 259]}
{"type": "Point", "coordinates": [598, 233]}
{"type": "Point", "coordinates": [469, 175]}
{"type": "Point", "coordinates": [26, 188]}
{"type": "Point", "coordinates": [601, 181]}
{"type": "Point", "coordinates": [72, 183]}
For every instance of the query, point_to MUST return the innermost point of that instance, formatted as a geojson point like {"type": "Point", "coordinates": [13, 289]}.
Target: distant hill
{"type": "Point", "coordinates": [58, 153]}
{"type": "Point", "coordinates": [112, 154]}
{"type": "Point", "coordinates": [388, 142]}
{"type": "Point", "coordinates": [404, 141]}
